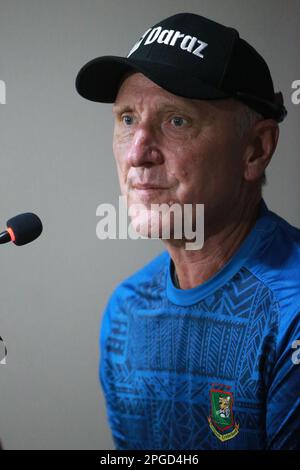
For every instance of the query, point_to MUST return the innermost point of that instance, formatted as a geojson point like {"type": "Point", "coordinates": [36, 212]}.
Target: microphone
{"type": "Point", "coordinates": [22, 229]}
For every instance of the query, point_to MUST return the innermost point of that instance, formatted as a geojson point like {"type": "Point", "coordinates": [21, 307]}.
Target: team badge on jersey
{"type": "Point", "coordinates": [221, 419]}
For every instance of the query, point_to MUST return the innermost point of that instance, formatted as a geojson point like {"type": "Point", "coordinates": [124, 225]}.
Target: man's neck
{"type": "Point", "coordinates": [193, 268]}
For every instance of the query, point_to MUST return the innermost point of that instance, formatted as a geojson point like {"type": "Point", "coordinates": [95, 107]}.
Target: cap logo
{"type": "Point", "coordinates": [170, 37]}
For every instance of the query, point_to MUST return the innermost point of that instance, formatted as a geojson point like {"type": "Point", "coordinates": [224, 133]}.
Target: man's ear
{"type": "Point", "coordinates": [261, 144]}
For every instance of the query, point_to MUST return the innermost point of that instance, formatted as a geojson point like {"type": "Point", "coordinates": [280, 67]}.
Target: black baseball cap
{"type": "Point", "coordinates": [193, 57]}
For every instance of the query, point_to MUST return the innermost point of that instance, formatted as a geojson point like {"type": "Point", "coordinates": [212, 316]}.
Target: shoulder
{"type": "Point", "coordinates": [277, 266]}
{"type": "Point", "coordinates": [280, 257]}
{"type": "Point", "coordinates": [144, 282]}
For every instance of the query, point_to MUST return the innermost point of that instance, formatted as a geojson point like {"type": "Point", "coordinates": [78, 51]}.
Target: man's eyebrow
{"type": "Point", "coordinates": [164, 107]}
{"type": "Point", "coordinates": [121, 108]}
{"type": "Point", "coordinates": [175, 107]}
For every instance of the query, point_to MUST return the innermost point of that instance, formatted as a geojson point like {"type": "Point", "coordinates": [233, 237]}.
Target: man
{"type": "Point", "coordinates": [197, 346]}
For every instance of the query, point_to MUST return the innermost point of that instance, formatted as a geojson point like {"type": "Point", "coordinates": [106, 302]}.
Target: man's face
{"type": "Point", "coordinates": [171, 149]}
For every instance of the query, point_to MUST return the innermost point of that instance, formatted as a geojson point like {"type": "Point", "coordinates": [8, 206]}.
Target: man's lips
{"type": "Point", "coordinates": [148, 186]}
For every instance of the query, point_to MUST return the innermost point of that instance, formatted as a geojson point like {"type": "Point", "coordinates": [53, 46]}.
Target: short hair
{"type": "Point", "coordinates": [245, 119]}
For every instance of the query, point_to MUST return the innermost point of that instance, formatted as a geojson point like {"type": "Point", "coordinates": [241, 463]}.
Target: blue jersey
{"type": "Point", "coordinates": [212, 367]}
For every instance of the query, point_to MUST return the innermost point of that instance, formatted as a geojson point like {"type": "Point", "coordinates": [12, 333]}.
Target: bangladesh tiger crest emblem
{"type": "Point", "coordinates": [221, 420]}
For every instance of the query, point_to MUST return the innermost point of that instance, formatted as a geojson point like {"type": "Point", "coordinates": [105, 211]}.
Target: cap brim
{"type": "Point", "coordinates": [99, 79]}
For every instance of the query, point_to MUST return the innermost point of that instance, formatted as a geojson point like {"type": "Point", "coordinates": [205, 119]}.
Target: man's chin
{"type": "Point", "coordinates": [146, 226]}
{"type": "Point", "coordinates": [150, 225]}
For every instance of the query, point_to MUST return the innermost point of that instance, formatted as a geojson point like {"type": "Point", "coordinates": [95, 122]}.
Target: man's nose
{"type": "Point", "coordinates": [144, 150]}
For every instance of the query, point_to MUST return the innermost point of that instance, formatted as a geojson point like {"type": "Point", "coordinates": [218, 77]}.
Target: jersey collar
{"type": "Point", "coordinates": [265, 224]}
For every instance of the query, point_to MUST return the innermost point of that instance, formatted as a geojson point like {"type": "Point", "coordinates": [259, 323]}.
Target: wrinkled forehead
{"type": "Point", "coordinates": [136, 88]}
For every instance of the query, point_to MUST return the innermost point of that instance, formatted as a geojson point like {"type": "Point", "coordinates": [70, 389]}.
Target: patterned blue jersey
{"type": "Point", "coordinates": [212, 367]}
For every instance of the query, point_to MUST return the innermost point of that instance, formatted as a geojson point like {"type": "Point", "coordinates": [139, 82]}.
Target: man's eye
{"type": "Point", "coordinates": [127, 119]}
{"type": "Point", "coordinates": [178, 121]}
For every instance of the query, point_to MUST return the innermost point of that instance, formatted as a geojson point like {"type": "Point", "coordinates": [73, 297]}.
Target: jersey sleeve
{"type": "Point", "coordinates": [283, 398]}
{"type": "Point", "coordinates": [105, 370]}
{"type": "Point", "coordinates": [105, 327]}
{"type": "Point", "coordinates": [104, 332]}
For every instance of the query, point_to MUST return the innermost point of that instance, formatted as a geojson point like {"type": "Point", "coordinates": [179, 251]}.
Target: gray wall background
{"type": "Point", "coordinates": [56, 160]}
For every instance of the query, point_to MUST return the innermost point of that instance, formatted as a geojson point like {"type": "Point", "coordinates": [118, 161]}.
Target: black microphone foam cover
{"type": "Point", "coordinates": [26, 227]}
